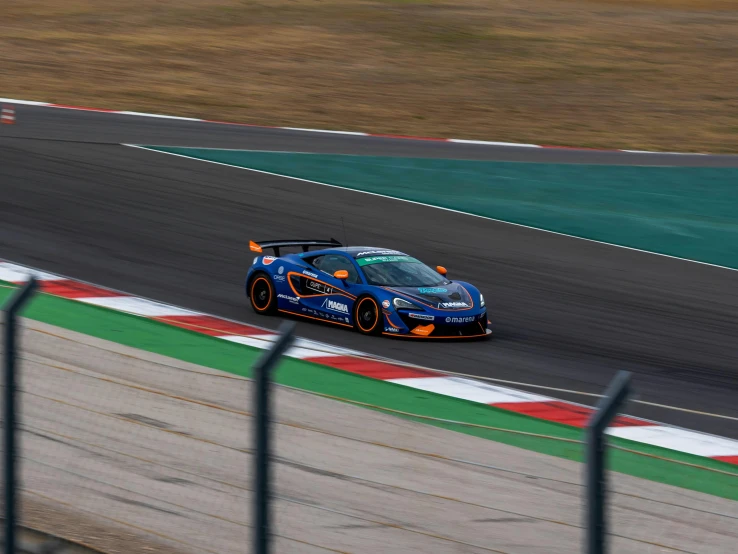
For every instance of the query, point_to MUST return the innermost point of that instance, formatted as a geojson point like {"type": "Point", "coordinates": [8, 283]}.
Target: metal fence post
{"type": "Point", "coordinates": [607, 408]}
{"type": "Point", "coordinates": [262, 417]}
{"type": "Point", "coordinates": [10, 310]}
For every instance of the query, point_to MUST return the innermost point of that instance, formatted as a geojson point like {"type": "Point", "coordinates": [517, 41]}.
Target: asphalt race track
{"type": "Point", "coordinates": [566, 313]}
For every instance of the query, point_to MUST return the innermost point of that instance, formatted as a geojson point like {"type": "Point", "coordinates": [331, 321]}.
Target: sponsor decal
{"type": "Point", "coordinates": [325, 316]}
{"type": "Point", "coordinates": [385, 259]}
{"type": "Point", "coordinates": [292, 299]}
{"type": "Point", "coordinates": [332, 305]}
{"type": "Point", "coordinates": [385, 303]}
{"type": "Point", "coordinates": [267, 260]}
{"type": "Point", "coordinates": [379, 253]}
{"type": "Point", "coordinates": [310, 274]}
{"type": "Point", "coordinates": [280, 278]}
{"type": "Point", "coordinates": [281, 269]}
{"type": "Point", "coordinates": [467, 319]}
{"type": "Point", "coordinates": [391, 330]}
{"type": "Point", "coordinates": [432, 290]}
{"type": "Point", "coordinates": [424, 317]}
{"type": "Point", "coordinates": [453, 305]}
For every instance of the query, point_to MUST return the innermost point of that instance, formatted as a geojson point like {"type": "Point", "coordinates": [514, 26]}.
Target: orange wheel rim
{"type": "Point", "coordinates": [262, 296]}
{"type": "Point", "coordinates": [359, 315]}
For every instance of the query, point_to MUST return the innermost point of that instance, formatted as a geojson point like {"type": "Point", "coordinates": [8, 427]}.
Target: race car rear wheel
{"type": "Point", "coordinates": [262, 295]}
{"type": "Point", "coordinates": [368, 316]}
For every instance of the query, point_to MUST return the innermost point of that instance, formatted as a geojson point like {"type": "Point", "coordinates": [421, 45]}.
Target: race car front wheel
{"type": "Point", "coordinates": [367, 316]}
{"type": "Point", "coordinates": [262, 296]}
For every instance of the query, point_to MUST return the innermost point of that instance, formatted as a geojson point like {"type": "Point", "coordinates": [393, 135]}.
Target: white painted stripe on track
{"type": "Point", "coordinates": [318, 347]}
{"type": "Point", "coordinates": [468, 389]}
{"type": "Point", "coordinates": [357, 133]}
{"type": "Point", "coordinates": [18, 274]}
{"type": "Point", "coordinates": [302, 348]}
{"type": "Point", "coordinates": [496, 143]}
{"type": "Point", "coordinates": [137, 306]}
{"type": "Point", "coordinates": [159, 116]}
{"type": "Point", "coordinates": [630, 248]}
{"type": "Point", "coordinates": [665, 153]}
{"type": "Point", "coordinates": [679, 439]}
{"type": "Point", "coordinates": [354, 133]}
{"type": "Point", "coordinates": [25, 102]}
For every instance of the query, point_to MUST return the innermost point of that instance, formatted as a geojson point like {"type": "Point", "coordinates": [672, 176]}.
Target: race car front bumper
{"type": "Point", "coordinates": [440, 327]}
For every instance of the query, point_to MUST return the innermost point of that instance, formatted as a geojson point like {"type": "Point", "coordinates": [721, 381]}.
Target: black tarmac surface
{"type": "Point", "coordinates": [566, 313]}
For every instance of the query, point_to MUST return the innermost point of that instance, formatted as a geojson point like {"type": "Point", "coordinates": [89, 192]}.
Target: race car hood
{"type": "Point", "coordinates": [445, 297]}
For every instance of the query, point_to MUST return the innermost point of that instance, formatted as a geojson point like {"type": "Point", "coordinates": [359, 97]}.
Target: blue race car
{"type": "Point", "coordinates": [373, 290]}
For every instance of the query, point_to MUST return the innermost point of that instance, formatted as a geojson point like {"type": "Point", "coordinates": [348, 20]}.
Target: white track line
{"type": "Point", "coordinates": [431, 206]}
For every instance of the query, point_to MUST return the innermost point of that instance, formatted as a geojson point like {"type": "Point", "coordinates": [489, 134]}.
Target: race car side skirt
{"type": "Point", "coordinates": [486, 334]}
{"type": "Point", "coordinates": [317, 318]}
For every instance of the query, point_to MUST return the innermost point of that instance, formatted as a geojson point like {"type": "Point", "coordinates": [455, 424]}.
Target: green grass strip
{"type": "Point", "coordinates": [189, 346]}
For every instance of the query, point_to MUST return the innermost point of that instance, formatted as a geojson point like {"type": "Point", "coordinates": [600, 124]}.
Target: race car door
{"type": "Point", "coordinates": [322, 295]}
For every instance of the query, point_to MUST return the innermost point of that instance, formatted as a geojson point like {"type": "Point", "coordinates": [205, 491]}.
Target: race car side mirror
{"type": "Point", "coordinates": [440, 269]}
{"type": "Point", "coordinates": [341, 274]}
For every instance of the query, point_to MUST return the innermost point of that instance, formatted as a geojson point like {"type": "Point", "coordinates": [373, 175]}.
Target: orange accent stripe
{"type": "Point", "coordinates": [316, 318]}
{"type": "Point", "coordinates": [390, 321]}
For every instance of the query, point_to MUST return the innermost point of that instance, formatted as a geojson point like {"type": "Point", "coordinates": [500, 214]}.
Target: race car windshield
{"type": "Point", "coordinates": [399, 271]}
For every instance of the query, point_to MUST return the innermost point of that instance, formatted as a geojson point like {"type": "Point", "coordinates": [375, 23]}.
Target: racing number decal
{"type": "Point", "coordinates": [320, 300]}
{"type": "Point", "coordinates": [317, 287]}
{"type": "Point", "coordinates": [310, 287]}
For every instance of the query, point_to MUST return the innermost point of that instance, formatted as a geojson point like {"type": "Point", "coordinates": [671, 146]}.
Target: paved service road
{"type": "Point", "coordinates": [567, 313]}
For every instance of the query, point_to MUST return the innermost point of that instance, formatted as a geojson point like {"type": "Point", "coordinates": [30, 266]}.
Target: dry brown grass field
{"type": "Point", "coordinates": [645, 74]}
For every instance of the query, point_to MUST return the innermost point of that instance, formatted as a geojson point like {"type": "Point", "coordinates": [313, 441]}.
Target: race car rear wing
{"type": "Point", "coordinates": [277, 244]}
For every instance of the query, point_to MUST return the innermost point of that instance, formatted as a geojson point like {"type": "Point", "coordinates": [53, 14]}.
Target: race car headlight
{"type": "Point", "coordinates": [481, 300]}
{"type": "Point", "coordinates": [400, 303]}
